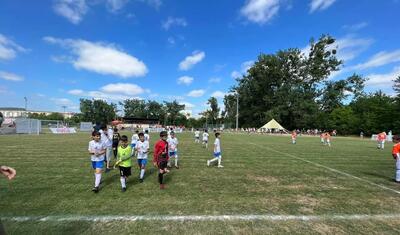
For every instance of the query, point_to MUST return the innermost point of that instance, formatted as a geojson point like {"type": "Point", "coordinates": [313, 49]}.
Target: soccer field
{"type": "Point", "coordinates": [267, 185]}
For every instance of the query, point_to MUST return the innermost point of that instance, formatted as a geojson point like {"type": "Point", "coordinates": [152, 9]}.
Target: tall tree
{"type": "Point", "coordinates": [134, 108]}
{"type": "Point", "coordinates": [214, 109]}
{"type": "Point", "coordinates": [173, 110]}
{"type": "Point", "coordinates": [97, 111]}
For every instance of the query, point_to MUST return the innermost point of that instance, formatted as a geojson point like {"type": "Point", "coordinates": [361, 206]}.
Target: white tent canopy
{"type": "Point", "coordinates": [273, 124]}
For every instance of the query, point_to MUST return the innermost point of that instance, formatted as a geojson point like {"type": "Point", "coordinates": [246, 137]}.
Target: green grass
{"type": "Point", "coordinates": [261, 176]}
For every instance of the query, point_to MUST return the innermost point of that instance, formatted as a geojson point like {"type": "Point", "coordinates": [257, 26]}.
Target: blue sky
{"type": "Point", "coordinates": [56, 51]}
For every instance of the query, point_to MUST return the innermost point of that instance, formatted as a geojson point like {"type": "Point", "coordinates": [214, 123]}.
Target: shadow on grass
{"type": "Point", "coordinates": [385, 177]}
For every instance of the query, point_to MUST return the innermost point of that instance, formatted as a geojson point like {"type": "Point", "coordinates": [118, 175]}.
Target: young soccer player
{"type": "Point", "coordinates": [396, 156]}
{"type": "Point", "coordinates": [322, 136]}
{"type": "Point", "coordinates": [97, 150]}
{"type": "Point", "coordinates": [327, 139]}
{"type": "Point", "coordinates": [173, 149]}
{"type": "Point", "coordinates": [124, 161]}
{"type": "Point", "coordinates": [142, 149]}
{"type": "Point", "coordinates": [160, 158]}
{"type": "Point", "coordinates": [217, 151]}
{"type": "Point", "coordinates": [294, 137]}
{"type": "Point", "coordinates": [147, 136]}
{"type": "Point", "coordinates": [115, 141]}
{"type": "Point", "coordinates": [197, 136]}
{"type": "Point", "coordinates": [106, 138]}
{"type": "Point", "coordinates": [381, 140]}
{"type": "Point", "coordinates": [205, 138]}
{"type": "Point", "coordinates": [135, 139]}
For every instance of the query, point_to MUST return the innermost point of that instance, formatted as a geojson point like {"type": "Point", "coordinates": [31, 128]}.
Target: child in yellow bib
{"type": "Point", "coordinates": [124, 162]}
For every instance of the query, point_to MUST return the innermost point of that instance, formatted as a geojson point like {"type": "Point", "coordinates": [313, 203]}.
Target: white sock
{"type": "Point", "coordinates": [214, 159]}
{"type": "Point", "coordinates": [97, 180]}
{"type": "Point", "coordinates": [141, 173]}
{"type": "Point", "coordinates": [176, 160]}
{"type": "Point", "coordinates": [219, 161]}
{"type": "Point", "coordinates": [123, 182]}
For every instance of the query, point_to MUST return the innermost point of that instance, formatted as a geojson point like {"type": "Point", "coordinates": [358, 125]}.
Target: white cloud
{"type": "Point", "coordinates": [190, 61]}
{"type": "Point", "coordinates": [319, 5]}
{"type": "Point", "coordinates": [76, 92]}
{"type": "Point", "coordinates": [73, 10]}
{"type": "Point", "coordinates": [171, 41]}
{"type": "Point", "coordinates": [218, 94]}
{"type": "Point", "coordinates": [196, 93]}
{"type": "Point", "coordinates": [123, 89]}
{"type": "Point", "coordinates": [185, 80]}
{"type": "Point", "coordinates": [171, 21]}
{"type": "Point", "coordinates": [355, 27]}
{"type": "Point", "coordinates": [348, 47]}
{"type": "Point", "coordinates": [380, 59]}
{"type": "Point", "coordinates": [188, 106]}
{"type": "Point", "coordinates": [244, 67]}
{"type": "Point", "coordinates": [10, 76]}
{"type": "Point", "coordinates": [260, 11]}
{"type": "Point", "coordinates": [153, 3]}
{"type": "Point", "coordinates": [214, 80]}
{"type": "Point", "coordinates": [9, 49]}
{"type": "Point", "coordinates": [116, 5]}
{"type": "Point", "coordinates": [62, 101]}
{"type": "Point", "coordinates": [383, 80]}
{"type": "Point", "coordinates": [101, 58]}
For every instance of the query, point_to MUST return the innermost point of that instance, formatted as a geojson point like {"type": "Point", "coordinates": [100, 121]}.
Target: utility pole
{"type": "Point", "coordinates": [26, 106]}
{"type": "Point", "coordinates": [237, 111]}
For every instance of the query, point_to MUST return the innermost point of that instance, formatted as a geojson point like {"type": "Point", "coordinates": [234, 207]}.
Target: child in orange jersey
{"type": "Point", "coordinates": [396, 156]}
{"type": "Point", "coordinates": [381, 140]}
{"type": "Point", "coordinates": [327, 139]}
{"type": "Point", "coordinates": [294, 137]}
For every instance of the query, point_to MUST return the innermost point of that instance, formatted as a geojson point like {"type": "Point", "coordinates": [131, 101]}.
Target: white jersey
{"type": "Point", "coordinates": [142, 149]}
{"type": "Point", "coordinates": [135, 138]}
{"type": "Point", "coordinates": [197, 134]}
{"type": "Point", "coordinates": [172, 144]}
{"type": "Point", "coordinates": [96, 147]}
{"type": "Point", "coordinates": [217, 146]}
{"type": "Point", "coordinates": [106, 139]}
{"type": "Point", "coordinates": [205, 136]}
{"type": "Point", "coordinates": [147, 137]}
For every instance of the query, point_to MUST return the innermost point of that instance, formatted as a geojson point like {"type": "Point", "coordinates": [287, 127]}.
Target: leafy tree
{"type": "Point", "coordinates": [214, 109]}
{"type": "Point", "coordinates": [97, 111]}
{"type": "Point", "coordinates": [173, 109]}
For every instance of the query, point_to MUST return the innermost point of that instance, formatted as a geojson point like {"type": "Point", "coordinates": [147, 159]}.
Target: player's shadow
{"type": "Point", "coordinates": [379, 176]}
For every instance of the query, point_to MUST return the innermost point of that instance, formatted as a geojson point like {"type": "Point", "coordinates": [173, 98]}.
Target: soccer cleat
{"type": "Point", "coordinates": [162, 186]}
{"type": "Point", "coordinates": [220, 166]}
{"type": "Point", "coordinates": [208, 162]}
{"type": "Point", "coordinates": [95, 189]}
{"type": "Point", "coordinates": [123, 189]}
{"type": "Point", "coordinates": [177, 167]}
{"type": "Point", "coordinates": [141, 180]}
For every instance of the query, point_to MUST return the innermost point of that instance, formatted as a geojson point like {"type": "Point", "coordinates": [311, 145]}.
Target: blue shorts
{"type": "Point", "coordinates": [218, 154]}
{"type": "Point", "coordinates": [142, 161]}
{"type": "Point", "coordinates": [172, 153]}
{"type": "Point", "coordinates": [133, 145]}
{"type": "Point", "coordinates": [98, 165]}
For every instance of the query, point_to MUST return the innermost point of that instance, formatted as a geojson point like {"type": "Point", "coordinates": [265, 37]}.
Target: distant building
{"type": "Point", "coordinates": [13, 112]}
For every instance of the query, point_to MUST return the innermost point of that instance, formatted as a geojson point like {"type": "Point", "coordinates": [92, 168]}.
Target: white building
{"type": "Point", "coordinates": [13, 112]}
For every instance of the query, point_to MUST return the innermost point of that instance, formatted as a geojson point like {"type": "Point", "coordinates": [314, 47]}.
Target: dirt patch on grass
{"type": "Point", "coordinates": [308, 204]}
{"type": "Point", "coordinates": [265, 179]}
{"type": "Point", "coordinates": [321, 228]}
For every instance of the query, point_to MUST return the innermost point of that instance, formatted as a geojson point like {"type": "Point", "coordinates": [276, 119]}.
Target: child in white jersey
{"type": "Point", "coordinates": [97, 150]}
{"type": "Point", "coordinates": [217, 151]}
{"type": "Point", "coordinates": [135, 139]}
{"type": "Point", "coordinates": [173, 149]}
{"type": "Point", "coordinates": [197, 136]}
{"type": "Point", "coordinates": [142, 149]}
{"type": "Point", "coordinates": [205, 138]}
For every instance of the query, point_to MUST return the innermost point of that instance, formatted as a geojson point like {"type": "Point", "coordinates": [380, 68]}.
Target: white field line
{"type": "Point", "coordinates": [130, 218]}
{"type": "Point", "coordinates": [330, 169]}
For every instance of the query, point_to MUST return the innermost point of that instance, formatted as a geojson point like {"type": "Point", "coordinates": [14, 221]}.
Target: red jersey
{"type": "Point", "coordinates": [381, 136]}
{"type": "Point", "coordinates": [396, 150]}
{"type": "Point", "coordinates": [160, 151]}
{"type": "Point", "coordinates": [294, 135]}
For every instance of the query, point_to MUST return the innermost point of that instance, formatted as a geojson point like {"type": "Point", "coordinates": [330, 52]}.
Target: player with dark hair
{"type": "Point", "coordinates": [124, 161]}
{"type": "Point", "coordinates": [97, 150]}
{"type": "Point", "coordinates": [160, 157]}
